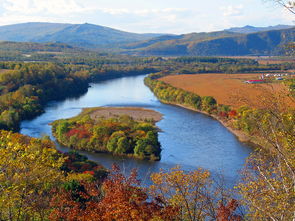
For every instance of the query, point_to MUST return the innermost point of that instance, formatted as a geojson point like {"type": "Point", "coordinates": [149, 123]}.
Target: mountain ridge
{"type": "Point", "coordinates": [85, 35]}
{"type": "Point", "coordinates": [218, 44]}
{"type": "Point", "coordinates": [228, 42]}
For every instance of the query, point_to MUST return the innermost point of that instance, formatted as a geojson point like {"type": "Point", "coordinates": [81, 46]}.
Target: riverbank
{"type": "Point", "coordinates": [207, 105]}
{"type": "Point", "coordinates": [242, 136]}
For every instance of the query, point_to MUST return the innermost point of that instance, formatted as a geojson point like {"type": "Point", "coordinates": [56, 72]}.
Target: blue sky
{"type": "Point", "coordinates": [153, 16]}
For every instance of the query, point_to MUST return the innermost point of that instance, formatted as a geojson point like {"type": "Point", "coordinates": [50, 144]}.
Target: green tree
{"type": "Point", "coordinates": [208, 103]}
{"type": "Point", "coordinates": [123, 145]}
{"type": "Point", "coordinates": [62, 128]}
{"type": "Point", "coordinates": [112, 144]}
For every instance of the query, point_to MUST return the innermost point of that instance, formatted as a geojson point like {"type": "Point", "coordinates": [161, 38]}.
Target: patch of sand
{"type": "Point", "coordinates": [136, 113]}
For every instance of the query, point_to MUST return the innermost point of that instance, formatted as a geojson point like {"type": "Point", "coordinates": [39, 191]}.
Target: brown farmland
{"type": "Point", "coordinates": [230, 89]}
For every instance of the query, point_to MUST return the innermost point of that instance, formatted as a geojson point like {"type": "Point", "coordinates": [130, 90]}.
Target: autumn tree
{"type": "Point", "coordinates": [268, 185]}
{"type": "Point", "coordinates": [118, 197]}
{"type": "Point", "coordinates": [194, 193]}
{"type": "Point", "coordinates": [29, 168]}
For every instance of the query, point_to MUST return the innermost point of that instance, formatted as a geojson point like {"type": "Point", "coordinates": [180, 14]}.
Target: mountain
{"type": "Point", "coordinates": [83, 35]}
{"type": "Point", "coordinates": [175, 39]}
{"type": "Point", "coordinates": [251, 29]}
{"type": "Point", "coordinates": [215, 43]}
{"type": "Point", "coordinates": [230, 42]}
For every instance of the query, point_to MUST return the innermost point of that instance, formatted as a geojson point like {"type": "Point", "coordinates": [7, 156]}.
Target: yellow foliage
{"type": "Point", "coordinates": [29, 168]}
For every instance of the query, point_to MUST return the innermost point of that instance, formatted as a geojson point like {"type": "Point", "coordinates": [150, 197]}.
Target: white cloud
{"type": "Point", "coordinates": [114, 11]}
{"type": "Point", "coordinates": [59, 7]}
{"type": "Point", "coordinates": [232, 10]}
{"type": "Point", "coordinates": [141, 12]}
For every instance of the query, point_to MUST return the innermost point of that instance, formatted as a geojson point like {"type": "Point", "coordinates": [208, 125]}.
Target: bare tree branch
{"type": "Point", "coordinates": [289, 5]}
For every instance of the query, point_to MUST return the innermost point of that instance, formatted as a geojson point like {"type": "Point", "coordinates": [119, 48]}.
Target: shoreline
{"type": "Point", "coordinates": [240, 135]}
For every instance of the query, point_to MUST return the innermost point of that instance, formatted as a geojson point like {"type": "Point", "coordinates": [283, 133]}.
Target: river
{"type": "Point", "coordinates": [189, 139]}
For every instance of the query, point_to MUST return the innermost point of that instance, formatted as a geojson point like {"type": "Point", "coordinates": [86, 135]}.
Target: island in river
{"type": "Point", "coordinates": [129, 131]}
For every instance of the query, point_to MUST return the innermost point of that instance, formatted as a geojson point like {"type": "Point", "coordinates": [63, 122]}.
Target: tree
{"type": "Point", "coordinates": [29, 168]}
{"type": "Point", "coordinates": [208, 103]}
{"type": "Point", "coordinates": [289, 5]}
{"type": "Point", "coordinates": [123, 145]}
{"type": "Point", "coordinates": [193, 193]}
{"type": "Point", "coordinates": [268, 186]}
{"type": "Point", "coordinates": [118, 197]}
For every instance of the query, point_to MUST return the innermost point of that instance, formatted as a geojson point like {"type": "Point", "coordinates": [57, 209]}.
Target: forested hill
{"type": "Point", "coordinates": [27, 47]}
{"type": "Point", "coordinates": [84, 35]}
{"type": "Point", "coordinates": [216, 44]}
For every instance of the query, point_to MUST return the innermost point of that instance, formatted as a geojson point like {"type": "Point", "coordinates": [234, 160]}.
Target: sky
{"type": "Point", "coordinates": [148, 16]}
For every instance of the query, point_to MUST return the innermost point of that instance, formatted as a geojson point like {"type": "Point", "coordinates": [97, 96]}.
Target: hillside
{"type": "Point", "coordinates": [26, 47]}
{"type": "Point", "coordinates": [85, 35]}
{"type": "Point", "coordinates": [216, 43]}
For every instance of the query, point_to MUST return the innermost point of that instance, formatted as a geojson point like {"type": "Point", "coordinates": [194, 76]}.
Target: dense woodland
{"type": "Point", "coordinates": [120, 135]}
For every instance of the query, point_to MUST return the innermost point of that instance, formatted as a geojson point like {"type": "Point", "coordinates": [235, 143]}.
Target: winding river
{"type": "Point", "coordinates": [188, 138]}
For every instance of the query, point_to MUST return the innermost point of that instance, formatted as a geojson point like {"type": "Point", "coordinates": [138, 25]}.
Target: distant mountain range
{"type": "Point", "coordinates": [246, 40]}
{"type": "Point", "coordinates": [251, 29]}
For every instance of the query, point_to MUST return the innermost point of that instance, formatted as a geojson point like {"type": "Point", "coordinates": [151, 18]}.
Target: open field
{"type": "Point", "coordinates": [229, 89]}
{"type": "Point", "coordinates": [136, 113]}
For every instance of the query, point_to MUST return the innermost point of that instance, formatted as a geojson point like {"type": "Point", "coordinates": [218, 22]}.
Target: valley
{"type": "Point", "coordinates": [183, 111]}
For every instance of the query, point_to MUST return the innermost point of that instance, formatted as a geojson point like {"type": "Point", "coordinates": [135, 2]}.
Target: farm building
{"type": "Point", "coordinates": [255, 81]}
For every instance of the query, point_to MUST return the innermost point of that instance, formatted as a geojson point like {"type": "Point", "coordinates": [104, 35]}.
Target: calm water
{"type": "Point", "coordinates": [189, 139]}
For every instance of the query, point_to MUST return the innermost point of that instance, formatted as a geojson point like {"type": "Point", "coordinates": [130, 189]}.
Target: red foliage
{"type": "Point", "coordinates": [89, 172]}
{"type": "Point", "coordinates": [117, 198]}
{"type": "Point", "coordinates": [80, 131]}
{"type": "Point", "coordinates": [226, 213]}
{"type": "Point", "coordinates": [232, 113]}
{"type": "Point", "coordinates": [223, 114]}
